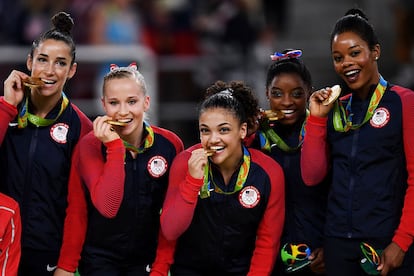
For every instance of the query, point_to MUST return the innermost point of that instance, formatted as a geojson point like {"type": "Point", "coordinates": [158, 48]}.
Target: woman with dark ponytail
{"type": "Point", "coordinates": [39, 128]}
{"type": "Point", "coordinates": [365, 139]}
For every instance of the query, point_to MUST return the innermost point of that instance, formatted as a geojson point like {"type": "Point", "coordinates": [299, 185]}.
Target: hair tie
{"type": "Point", "coordinates": [226, 92]}
{"type": "Point", "coordinates": [112, 67]}
{"type": "Point", "coordinates": [131, 66]}
{"type": "Point", "coordinates": [282, 56]}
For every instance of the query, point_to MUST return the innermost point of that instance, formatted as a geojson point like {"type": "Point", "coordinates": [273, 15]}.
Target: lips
{"type": "Point", "coordinates": [352, 75]}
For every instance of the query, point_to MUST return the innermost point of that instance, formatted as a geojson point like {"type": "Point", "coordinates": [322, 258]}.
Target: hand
{"type": "Point", "coordinates": [316, 107]}
{"type": "Point", "coordinates": [196, 163]}
{"type": "Point", "coordinates": [14, 88]}
{"type": "Point", "coordinates": [318, 264]}
{"type": "Point", "coordinates": [391, 258]}
{"type": "Point", "coordinates": [62, 272]}
{"type": "Point", "coordinates": [104, 131]}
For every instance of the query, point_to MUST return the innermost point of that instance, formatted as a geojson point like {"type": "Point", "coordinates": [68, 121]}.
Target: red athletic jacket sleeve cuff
{"type": "Point", "coordinates": [190, 188]}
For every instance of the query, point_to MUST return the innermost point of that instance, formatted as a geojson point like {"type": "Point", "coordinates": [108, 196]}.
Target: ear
{"type": "Point", "coordinates": [146, 103]}
{"type": "Point", "coordinates": [29, 62]}
{"type": "Point", "coordinates": [103, 103]}
{"type": "Point", "coordinates": [376, 52]}
{"type": "Point", "coordinates": [243, 130]}
{"type": "Point", "coordinates": [72, 70]}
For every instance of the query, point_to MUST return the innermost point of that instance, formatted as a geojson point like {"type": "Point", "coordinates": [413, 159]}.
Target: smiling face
{"type": "Point", "coordinates": [288, 93]}
{"type": "Point", "coordinates": [51, 62]}
{"type": "Point", "coordinates": [124, 101]}
{"type": "Point", "coordinates": [221, 129]}
{"type": "Point", "coordinates": [354, 61]}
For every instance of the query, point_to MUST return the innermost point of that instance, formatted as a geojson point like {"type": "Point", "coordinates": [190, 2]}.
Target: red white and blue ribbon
{"type": "Point", "coordinates": [288, 55]}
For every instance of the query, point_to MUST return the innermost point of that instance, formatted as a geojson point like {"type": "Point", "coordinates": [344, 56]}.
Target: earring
{"type": "Point", "coordinates": [376, 58]}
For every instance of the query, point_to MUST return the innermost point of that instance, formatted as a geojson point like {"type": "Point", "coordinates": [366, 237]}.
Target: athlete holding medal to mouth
{"type": "Point", "coordinates": [118, 183]}
{"type": "Point", "coordinates": [39, 128]}
{"type": "Point", "coordinates": [288, 87]}
{"type": "Point", "coordinates": [224, 209]}
{"type": "Point", "coordinates": [365, 139]}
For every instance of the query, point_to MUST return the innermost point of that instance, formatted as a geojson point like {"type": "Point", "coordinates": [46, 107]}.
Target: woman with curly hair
{"type": "Point", "coordinates": [225, 202]}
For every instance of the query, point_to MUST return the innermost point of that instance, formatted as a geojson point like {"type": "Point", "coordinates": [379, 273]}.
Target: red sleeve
{"type": "Point", "coordinates": [10, 235]}
{"type": "Point", "coordinates": [405, 232]}
{"type": "Point", "coordinates": [76, 220]}
{"type": "Point", "coordinates": [314, 155]}
{"type": "Point", "coordinates": [104, 179]}
{"type": "Point", "coordinates": [7, 113]}
{"type": "Point", "coordinates": [181, 198]}
{"type": "Point", "coordinates": [164, 257]}
{"type": "Point", "coordinates": [271, 226]}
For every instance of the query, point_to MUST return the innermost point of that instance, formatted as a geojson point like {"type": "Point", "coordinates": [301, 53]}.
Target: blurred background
{"type": "Point", "coordinates": [183, 46]}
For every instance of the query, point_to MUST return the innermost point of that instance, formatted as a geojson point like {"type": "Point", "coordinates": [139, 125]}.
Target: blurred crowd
{"type": "Point", "coordinates": [180, 27]}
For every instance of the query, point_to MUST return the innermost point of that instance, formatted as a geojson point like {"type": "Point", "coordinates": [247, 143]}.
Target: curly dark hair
{"type": "Point", "coordinates": [234, 96]}
{"type": "Point", "coordinates": [356, 21]}
{"type": "Point", "coordinates": [61, 31]}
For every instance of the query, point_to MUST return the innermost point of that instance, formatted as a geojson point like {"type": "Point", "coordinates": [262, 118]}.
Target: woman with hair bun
{"type": "Point", "coordinates": [288, 87]}
{"type": "Point", "coordinates": [365, 139]}
{"type": "Point", "coordinates": [225, 202]}
{"type": "Point", "coordinates": [39, 128]}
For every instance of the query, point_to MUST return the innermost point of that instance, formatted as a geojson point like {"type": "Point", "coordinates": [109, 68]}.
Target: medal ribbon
{"type": "Point", "coordinates": [342, 115]}
{"type": "Point", "coordinates": [241, 177]}
{"type": "Point", "coordinates": [25, 115]}
{"type": "Point", "coordinates": [269, 134]}
{"type": "Point", "coordinates": [149, 140]}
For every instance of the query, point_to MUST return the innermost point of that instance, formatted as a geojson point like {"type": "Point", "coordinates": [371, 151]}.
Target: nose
{"type": "Point", "coordinates": [214, 137]}
{"type": "Point", "coordinates": [123, 109]}
{"type": "Point", "coordinates": [50, 68]}
{"type": "Point", "coordinates": [347, 61]}
{"type": "Point", "coordinates": [286, 100]}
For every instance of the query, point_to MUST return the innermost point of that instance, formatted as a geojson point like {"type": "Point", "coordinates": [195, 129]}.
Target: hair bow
{"type": "Point", "coordinates": [290, 54]}
{"type": "Point", "coordinates": [132, 65]}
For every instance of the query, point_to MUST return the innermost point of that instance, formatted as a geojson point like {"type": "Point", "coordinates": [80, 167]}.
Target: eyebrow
{"type": "Point", "coordinates": [58, 58]}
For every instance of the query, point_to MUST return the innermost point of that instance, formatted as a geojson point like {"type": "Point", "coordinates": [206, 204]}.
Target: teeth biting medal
{"type": "Point", "coordinates": [116, 123]}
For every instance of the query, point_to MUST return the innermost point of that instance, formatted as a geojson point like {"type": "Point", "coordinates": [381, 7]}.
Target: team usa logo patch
{"type": "Point", "coordinates": [157, 166]}
{"type": "Point", "coordinates": [249, 197]}
{"type": "Point", "coordinates": [380, 117]}
{"type": "Point", "coordinates": [59, 132]}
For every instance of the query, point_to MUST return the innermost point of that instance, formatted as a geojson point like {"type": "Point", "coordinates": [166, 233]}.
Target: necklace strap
{"type": "Point", "coordinates": [25, 116]}
{"type": "Point", "coordinates": [269, 138]}
{"type": "Point", "coordinates": [148, 142]}
{"type": "Point", "coordinates": [241, 177]}
{"type": "Point", "coordinates": [342, 117]}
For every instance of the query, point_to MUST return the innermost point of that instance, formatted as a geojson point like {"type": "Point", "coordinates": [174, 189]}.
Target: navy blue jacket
{"type": "Point", "coordinates": [35, 163]}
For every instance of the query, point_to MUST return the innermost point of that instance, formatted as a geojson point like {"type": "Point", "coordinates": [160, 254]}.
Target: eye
{"type": "Point", "coordinates": [61, 63]}
{"type": "Point", "coordinates": [337, 59]}
{"type": "Point", "coordinates": [355, 53]}
{"type": "Point", "coordinates": [298, 94]}
{"type": "Point", "coordinates": [224, 130]}
{"type": "Point", "coordinates": [113, 102]}
{"type": "Point", "coordinates": [132, 102]}
{"type": "Point", "coordinates": [41, 59]}
{"type": "Point", "coordinates": [204, 131]}
{"type": "Point", "coordinates": [276, 94]}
